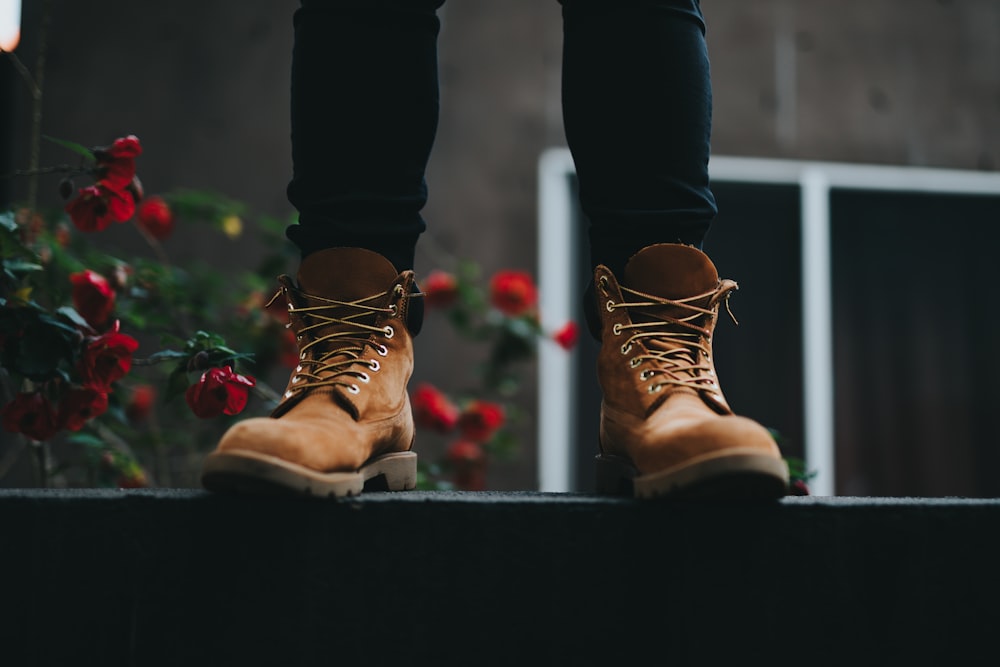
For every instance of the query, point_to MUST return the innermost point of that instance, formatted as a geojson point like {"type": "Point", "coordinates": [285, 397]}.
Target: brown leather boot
{"type": "Point", "coordinates": [666, 429]}
{"type": "Point", "coordinates": [345, 416]}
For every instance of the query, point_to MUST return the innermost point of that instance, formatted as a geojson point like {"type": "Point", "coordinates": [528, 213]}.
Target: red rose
{"type": "Point", "coordinates": [78, 405]}
{"type": "Point", "coordinates": [433, 410]}
{"type": "Point", "coordinates": [219, 391]}
{"type": "Point", "coordinates": [97, 206]}
{"type": "Point", "coordinates": [480, 420]}
{"type": "Point", "coordinates": [155, 216]}
{"type": "Point", "coordinates": [116, 163]}
{"type": "Point", "coordinates": [89, 211]}
{"type": "Point", "coordinates": [31, 414]}
{"type": "Point", "coordinates": [567, 335]}
{"type": "Point", "coordinates": [93, 297]}
{"type": "Point", "coordinates": [513, 292]}
{"type": "Point", "coordinates": [106, 359]}
{"type": "Point", "coordinates": [468, 465]}
{"type": "Point", "coordinates": [440, 289]}
{"type": "Point", "coordinates": [140, 404]}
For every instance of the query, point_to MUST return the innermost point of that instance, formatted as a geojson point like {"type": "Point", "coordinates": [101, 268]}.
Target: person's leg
{"type": "Point", "coordinates": [637, 109]}
{"type": "Point", "coordinates": [364, 113]}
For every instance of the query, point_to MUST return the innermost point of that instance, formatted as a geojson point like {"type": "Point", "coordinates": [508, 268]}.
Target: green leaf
{"type": "Point", "coordinates": [71, 146]}
{"type": "Point", "coordinates": [10, 242]}
{"type": "Point", "coordinates": [166, 355]}
{"type": "Point", "coordinates": [87, 440]}
{"type": "Point", "coordinates": [73, 316]}
{"type": "Point", "coordinates": [18, 266]}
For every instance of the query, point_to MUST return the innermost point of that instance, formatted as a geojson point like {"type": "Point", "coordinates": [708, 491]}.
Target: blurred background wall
{"type": "Point", "coordinates": [205, 86]}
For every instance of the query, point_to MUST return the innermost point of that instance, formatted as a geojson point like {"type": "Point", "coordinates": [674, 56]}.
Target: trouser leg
{"type": "Point", "coordinates": [637, 108]}
{"type": "Point", "coordinates": [364, 112]}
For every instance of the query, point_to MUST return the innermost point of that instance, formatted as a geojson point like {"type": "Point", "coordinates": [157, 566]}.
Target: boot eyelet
{"type": "Point", "coordinates": [610, 305]}
{"type": "Point", "coordinates": [389, 331]}
{"type": "Point", "coordinates": [626, 348]}
{"type": "Point", "coordinates": [374, 365]}
{"type": "Point", "coordinates": [382, 350]}
{"type": "Point", "coordinates": [602, 282]}
{"type": "Point", "coordinates": [654, 388]}
{"type": "Point", "coordinates": [398, 290]}
{"type": "Point", "coordinates": [392, 308]}
{"type": "Point", "coordinates": [288, 394]}
{"type": "Point", "coordinates": [298, 337]}
{"type": "Point", "coordinates": [288, 325]}
{"type": "Point", "coordinates": [354, 389]}
{"type": "Point", "coordinates": [291, 308]}
{"type": "Point", "coordinates": [617, 329]}
{"type": "Point", "coordinates": [634, 362]}
{"type": "Point", "coordinates": [295, 379]}
{"type": "Point", "coordinates": [302, 355]}
{"type": "Point", "coordinates": [645, 375]}
{"type": "Point", "coordinates": [364, 377]}
{"type": "Point", "coordinates": [298, 369]}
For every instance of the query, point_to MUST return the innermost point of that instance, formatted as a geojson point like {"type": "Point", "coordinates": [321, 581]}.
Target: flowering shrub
{"type": "Point", "coordinates": [73, 319]}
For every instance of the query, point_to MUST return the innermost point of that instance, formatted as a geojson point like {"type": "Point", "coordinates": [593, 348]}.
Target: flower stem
{"type": "Point", "coordinates": [42, 462]}
{"type": "Point", "coordinates": [41, 171]}
{"type": "Point", "coordinates": [36, 107]}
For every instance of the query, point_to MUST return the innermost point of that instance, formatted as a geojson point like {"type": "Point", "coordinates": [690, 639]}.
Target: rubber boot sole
{"type": "Point", "coordinates": [730, 475]}
{"type": "Point", "coordinates": [245, 471]}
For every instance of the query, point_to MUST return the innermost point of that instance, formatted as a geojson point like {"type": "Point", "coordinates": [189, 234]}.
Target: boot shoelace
{"type": "Point", "coordinates": [340, 352]}
{"type": "Point", "coordinates": [678, 349]}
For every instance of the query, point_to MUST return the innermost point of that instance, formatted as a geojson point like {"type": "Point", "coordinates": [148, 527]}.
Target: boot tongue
{"type": "Point", "coordinates": [345, 274]}
{"type": "Point", "coordinates": [342, 274]}
{"type": "Point", "coordinates": [669, 271]}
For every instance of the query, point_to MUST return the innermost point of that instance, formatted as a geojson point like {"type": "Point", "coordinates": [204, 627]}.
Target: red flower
{"type": "Point", "coordinates": [219, 391]}
{"type": "Point", "coordinates": [468, 465]}
{"type": "Point", "coordinates": [31, 414]}
{"type": "Point", "coordinates": [116, 163]}
{"type": "Point", "coordinates": [140, 404]}
{"type": "Point", "coordinates": [106, 359]}
{"type": "Point", "coordinates": [97, 206]}
{"type": "Point", "coordinates": [567, 335]}
{"type": "Point", "coordinates": [513, 292]}
{"type": "Point", "coordinates": [93, 297]}
{"type": "Point", "coordinates": [433, 410]}
{"type": "Point", "coordinates": [155, 216]}
{"type": "Point", "coordinates": [440, 289]}
{"type": "Point", "coordinates": [480, 420]}
{"type": "Point", "coordinates": [78, 405]}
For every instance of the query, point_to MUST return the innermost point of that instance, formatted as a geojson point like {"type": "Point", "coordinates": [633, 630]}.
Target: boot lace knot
{"type": "Point", "coordinates": [337, 340]}
{"type": "Point", "coordinates": [675, 336]}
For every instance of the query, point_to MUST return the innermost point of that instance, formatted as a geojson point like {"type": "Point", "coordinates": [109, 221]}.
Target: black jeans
{"type": "Point", "coordinates": [637, 111]}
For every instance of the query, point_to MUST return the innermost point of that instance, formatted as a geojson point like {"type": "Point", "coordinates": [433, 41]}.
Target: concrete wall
{"type": "Point", "coordinates": [205, 86]}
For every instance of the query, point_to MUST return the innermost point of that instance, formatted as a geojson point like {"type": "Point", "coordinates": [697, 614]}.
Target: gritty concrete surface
{"type": "Point", "coordinates": [169, 577]}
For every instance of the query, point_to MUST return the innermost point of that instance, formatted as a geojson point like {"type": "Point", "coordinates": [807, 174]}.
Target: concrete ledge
{"type": "Point", "coordinates": [179, 577]}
